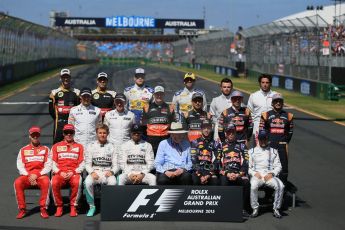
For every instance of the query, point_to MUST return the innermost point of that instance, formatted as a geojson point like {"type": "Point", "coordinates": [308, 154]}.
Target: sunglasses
{"type": "Point", "coordinates": [68, 132]}
{"type": "Point", "coordinates": [136, 133]}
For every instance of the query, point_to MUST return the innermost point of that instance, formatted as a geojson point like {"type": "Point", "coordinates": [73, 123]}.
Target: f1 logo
{"type": "Point", "coordinates": [165, 202]}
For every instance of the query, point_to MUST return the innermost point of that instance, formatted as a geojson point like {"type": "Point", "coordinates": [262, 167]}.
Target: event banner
{"type": "Point", "coordinates": [171, 203]}
{"type": "Point", "coordinates": [180, 23]}
{"type": "Point", "coordinates": [130, 22]}
{"type": "Point", "coordinates": [80, 22]}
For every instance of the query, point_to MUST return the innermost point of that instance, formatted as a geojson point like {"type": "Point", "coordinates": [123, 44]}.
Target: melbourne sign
{"type": "Point", "coordinates": [130, 22]}
{"type": "Point", "coordinates": [171, 203]}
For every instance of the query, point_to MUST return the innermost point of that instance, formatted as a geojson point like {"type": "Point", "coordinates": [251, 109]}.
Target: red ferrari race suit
{"type": "Point", "coordinates": [67, 157]}
{"type": "Point", "coordinates": [33, 160]}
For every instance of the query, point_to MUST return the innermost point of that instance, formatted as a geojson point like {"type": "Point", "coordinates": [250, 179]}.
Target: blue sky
{"type": "Point", "coordinates": [219, 13]}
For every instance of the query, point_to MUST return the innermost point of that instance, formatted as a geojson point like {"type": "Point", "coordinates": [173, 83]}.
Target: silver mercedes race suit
{"type": "Point", "coordinates": [136, 158]}
{"type": "Point", "coordinates": [100, 158]}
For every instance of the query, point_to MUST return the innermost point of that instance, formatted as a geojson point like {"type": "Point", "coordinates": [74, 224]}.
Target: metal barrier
{"type": "Point", "coordinates": [27, 48]}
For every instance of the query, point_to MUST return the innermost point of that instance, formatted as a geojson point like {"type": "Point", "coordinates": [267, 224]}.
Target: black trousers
{"type": "Point", "coordinates": [154, 141]}
{"type": "Point", "coordinates": [184, 179]}
{"type": "Point", "coordinates": [283, 156]}
{"type": "Point", "coordinates": [244, 182]}
{"type": "Point", "coordinates": [213, 181]}
{"type": "Point", "coordinates": [58, 126]}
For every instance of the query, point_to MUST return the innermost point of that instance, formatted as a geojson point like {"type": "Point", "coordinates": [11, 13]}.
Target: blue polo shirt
{"type": "Point", "coordinates": [171, 155]}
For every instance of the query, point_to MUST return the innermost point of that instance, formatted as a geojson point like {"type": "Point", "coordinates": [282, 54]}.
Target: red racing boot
{"type": "Point", "coordinates": [44, 213]}
{"type": "Point", "coordinates": [73, 212]}
{"type": "Point", "coordinates": [21, 213]}
{"type": "Point", "coordinates": [59, 211]}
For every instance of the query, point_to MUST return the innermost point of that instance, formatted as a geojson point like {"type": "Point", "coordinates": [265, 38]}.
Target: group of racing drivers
{"type": "Point", "coordinates": [135, 137]}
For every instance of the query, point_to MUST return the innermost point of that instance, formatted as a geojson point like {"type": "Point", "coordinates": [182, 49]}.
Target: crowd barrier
{"type": "Point", "coordinates": [19, 71]}
{"type": "Point", "coordinates": [322, 90]}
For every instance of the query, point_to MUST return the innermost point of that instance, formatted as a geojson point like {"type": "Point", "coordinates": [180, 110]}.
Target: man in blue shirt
{"type": "Point", "coordinates": [173, 160]}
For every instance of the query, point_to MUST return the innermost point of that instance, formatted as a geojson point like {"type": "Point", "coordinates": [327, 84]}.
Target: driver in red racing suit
{"type": "Point", "coordinates": [33, 163]}
{"type": "Point", "coordinates": [68, 164]}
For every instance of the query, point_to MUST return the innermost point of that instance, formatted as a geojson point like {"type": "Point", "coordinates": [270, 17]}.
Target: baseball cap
{"type": "Point", "coordinates": [139, 71]}
{"type": "Point", "coordinates": [236, 94]}
{"type": "Point", "coordinates": [159, 89]}
{"type": "Point", "coordinates": [229, 127]}
{"type": "Point", "coordinates": [34, 129]}
{"type": "Point", "coordinates": [277, 96]}
{"type": "Point", "coordinates": [136, 129]}
{"type": "Point", "coordinates": [68, 127]}
{"type": "Point", "coordinates": [120, 96]}
{"type": "Point", "coordinates": [197, 95]}
{"type": "Point", "coordinates": [189, 75]}
{"type": "Point", "coordinates": [85, 91]}
{"type": "Point", "coordinates": [102, 74]}
{"type": "Point", "coordinates": [262, 134]}
{"type": "Point", "coordinates": [64, 72]}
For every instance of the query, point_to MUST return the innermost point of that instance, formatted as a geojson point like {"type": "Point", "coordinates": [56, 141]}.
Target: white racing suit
{"type": "Point", "coordinates": [85, 119]}
{"type": "Point", "coordinates": [119, 125]}
{"type": "Point", "coordinates": [264, 161]}
{"type": "Point", "coordinates": [218, 105]}
{"type": "Point", "coordinates": [100, 158]}
{"type": "Point", "coordinates": [258, 103]}
{"type": "Point", "coordinates": [136, 158]}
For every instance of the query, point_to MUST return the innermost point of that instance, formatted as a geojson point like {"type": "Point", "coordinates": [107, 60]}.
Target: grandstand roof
{"type": "Point", "coordinates": [327, 13]}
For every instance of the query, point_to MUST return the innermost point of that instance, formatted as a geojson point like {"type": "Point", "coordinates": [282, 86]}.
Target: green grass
{"type": "Point", "coordinates": [333, 110]}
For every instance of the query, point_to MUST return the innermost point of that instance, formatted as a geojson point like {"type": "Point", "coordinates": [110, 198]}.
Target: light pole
{"type": "Point", "coordinates": [318, 53]}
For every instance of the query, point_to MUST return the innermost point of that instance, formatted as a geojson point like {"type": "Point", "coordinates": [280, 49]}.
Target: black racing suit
{"type": "Point", "coordinates": [280, 128]}
{"type": "Point", "coordinates": [103, 100]}
{"type": "Point", "coordinates": [205, 155]}
{"type": "Point", "coordinates": [192, 122]}
{"type": "Point", "coordinates": [234, 159]}
{"type": "Point", "coordinates": [157, 119]}
{"type": "Point", "coordinates": [61, 101]}
{"type": "Point", "coordinates": [241, 119]}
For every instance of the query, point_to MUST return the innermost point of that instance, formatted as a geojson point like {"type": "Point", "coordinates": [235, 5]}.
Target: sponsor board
{"type": "Point", "coordinates": [288, 84]}
{"type": "Point", "coordinates": [305, 88]}
{"type": "Point", "coordinates": [275, 81]}
{"type": "Point", "coordinates": [229, 72]}
{"type": "Point", "coordinates": [172, 203]}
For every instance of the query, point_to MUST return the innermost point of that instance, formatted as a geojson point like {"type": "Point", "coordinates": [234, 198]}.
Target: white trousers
{"type": "Point", "coordinates": [149, 179]}
{"type": "Point", "coordinates": [90, 182]}
{"type": "Point", "coordinates": [274, 183]}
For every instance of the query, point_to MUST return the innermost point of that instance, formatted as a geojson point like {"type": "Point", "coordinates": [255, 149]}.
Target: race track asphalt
{"type": "Point", "coordinates": [317, 158]}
